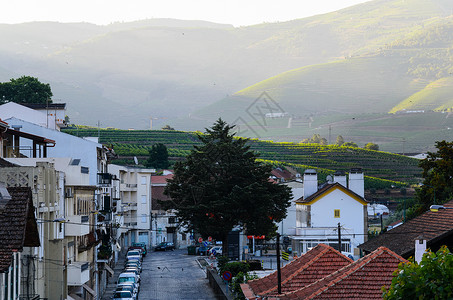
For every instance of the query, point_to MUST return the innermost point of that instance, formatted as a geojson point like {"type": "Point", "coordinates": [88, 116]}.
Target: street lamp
{"type": "Point", "coordinates": [438, 207]}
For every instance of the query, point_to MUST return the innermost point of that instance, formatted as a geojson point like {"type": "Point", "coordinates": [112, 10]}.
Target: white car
{"type": "Point", "coordinates": [124, 295]}
{"type": "Point", "coordinates": [134, 254]}
{"type": "Point", "coordinates": [216, 251]}
{"type": "Point", "coordinates": [129, 278]}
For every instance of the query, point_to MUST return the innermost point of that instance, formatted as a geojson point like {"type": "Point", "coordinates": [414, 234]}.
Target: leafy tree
{"type": "Point", "coordinates": [167, 127]}
{"type": "Point", "coordinates": [25, 89]}
{"type": "Point", "coordinates": [438, 177]}
{"type": "Point", "coordinates": [315, 139]}
{"type": "Point", "coordinates": [158, 157]}
{"type": "Point", "coordinates": [222, 185]}
{"type": "Point", "coordinates": [431, 279]}
{"type": "Point", "coordinates": [340, 140]}
{"type": "Point", "coordinates": [350, 144]}
{"type": "Point", "coordinates": [371, 146]}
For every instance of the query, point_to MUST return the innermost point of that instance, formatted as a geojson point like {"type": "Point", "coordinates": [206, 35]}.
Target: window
{"type": "Point", "coordinates": [336, 213]}
{"type": "Point", "coordinates": [143, 179]}
{"type": "Point", "coordinates": [143, 218]}
{"type": "Point", "coordinates": [144, 199]}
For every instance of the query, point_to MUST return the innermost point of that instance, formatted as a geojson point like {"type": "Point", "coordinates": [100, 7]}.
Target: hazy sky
{"type": "Point", "coordinates": [236, 12]}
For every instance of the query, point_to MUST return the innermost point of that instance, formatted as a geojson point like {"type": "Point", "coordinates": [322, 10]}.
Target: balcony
{"type": "Point", "coordinates": [104, 179]}
{"type": "Point", "coordinates": [77, 225]}
{"type": "Point", "coordinates": [128, 187]}
{"type": "Point", "coordinates": [316, 231]}
{"type": "Point", "coordinates": [78, 273]}
{"type": "Point", "coordinates": [129, 206]}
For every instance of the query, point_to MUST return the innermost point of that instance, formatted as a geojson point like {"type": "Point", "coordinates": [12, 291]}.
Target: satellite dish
{"type": "Point", "coordinates": [136, 160]}
{"type": "Point", "coordinates": [329, 178]}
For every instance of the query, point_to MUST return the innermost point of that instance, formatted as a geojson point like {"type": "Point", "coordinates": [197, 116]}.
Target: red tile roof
{"type": "Point", "coordinates": [435, 227]}
{"type": "Point", "coordinates": [362, 279]}
{"type": "Point", "coordinates": [159, 179]}
{"type": "Point", "coordinates": [317, 263]}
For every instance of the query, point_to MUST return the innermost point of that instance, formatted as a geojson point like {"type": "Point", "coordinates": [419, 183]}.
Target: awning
{"type": "Point", "coordinates": [107, 267]}
{"type": "Point", "coordinates": [89, 290]}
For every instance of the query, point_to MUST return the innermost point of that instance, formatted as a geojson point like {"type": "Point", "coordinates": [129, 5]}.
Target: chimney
{"type": "Point", "coordinates": [310, 182]}
{"type": "Point", "coordinates": [420, 248]}
{"type": "Point", "coordinates": [340, 177]}
{"type": "Point", "coordinates": [356, 183]}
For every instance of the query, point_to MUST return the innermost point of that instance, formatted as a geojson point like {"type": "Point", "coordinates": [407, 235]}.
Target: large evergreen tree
{"type": "Point", "coordinates": [25, 89]}
{"type": "Point", "coordinates": [222, 185]}
{"type": "Point", "coordinates": [158, 157]}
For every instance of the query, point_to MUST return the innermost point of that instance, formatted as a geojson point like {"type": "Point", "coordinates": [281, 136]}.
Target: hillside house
{"type": "Point", "coordinates": [322, 210]}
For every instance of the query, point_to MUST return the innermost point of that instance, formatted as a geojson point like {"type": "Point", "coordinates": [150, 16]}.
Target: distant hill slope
{"type": "Point", "coordinates": [125, 73]}
{"type": "Point", "coordinates": [327, 159]}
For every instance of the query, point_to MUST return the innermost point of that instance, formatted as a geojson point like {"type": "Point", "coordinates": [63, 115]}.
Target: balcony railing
{"type": "Point", "coordinates": [77, 225]}
{"type": "Point", "coordinates": [105, 179]}
{"type": "Point", "coordinates": [78, 273]}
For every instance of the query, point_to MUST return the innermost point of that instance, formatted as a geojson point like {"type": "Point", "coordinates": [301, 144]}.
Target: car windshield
{"type": "Point", "coordinates": [126, 279]}
{"type": "Point", "coordinates": [123, 294]}
{"type": "Point", "coordinates": [131, 253]}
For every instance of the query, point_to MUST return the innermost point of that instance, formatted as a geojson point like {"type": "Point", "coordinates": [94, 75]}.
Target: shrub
{"type": "Point", "coordinates": [235, 267]}
{"type": "Point", "coordinates": [236, 284]}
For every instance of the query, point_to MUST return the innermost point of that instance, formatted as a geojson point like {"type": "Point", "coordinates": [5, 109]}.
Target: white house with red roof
{"type": "Point", "coordinates": [325, 210]}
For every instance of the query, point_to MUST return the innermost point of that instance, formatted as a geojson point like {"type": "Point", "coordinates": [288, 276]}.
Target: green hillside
{"type": "Point", "coordinates": [169, 69]}
{"type": "Point", "coordinates": [436, 96]}
{"type": "Point", "coordinates": [327, 159]}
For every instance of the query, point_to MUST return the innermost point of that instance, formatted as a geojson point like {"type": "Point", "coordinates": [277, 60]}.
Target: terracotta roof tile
{"type": "Point", "coordinates": [159, 179]}
{"type": "Point", "coordinates": [317, 263]}
{"type": "Point", "coordinates": [362, 279]}
{"type": "Point", "coordinates": [18, 226]}
{"type": "Point", "coordinates": [433, 226]}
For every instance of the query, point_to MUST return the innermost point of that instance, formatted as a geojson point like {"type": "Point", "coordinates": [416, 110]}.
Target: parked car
{"type": "Point", "coordinates": [134, 270]}
{"type": "Point", "coordinates": [124, 295]}
{"type": "Point", "coordinates": [129, 278]}
{"type": "Point", "coordinates": [141, 246]}
{"type": "Point", "coordinates": [164, 246]}
{"type": "Point", "coordinates": [133, 264]}
{"type": "Point", "coordinates": [127, 286]}
{"type": "Point", "coordinates": [134, 254]}
{"type": "Point", "coordinates": [217, 250]}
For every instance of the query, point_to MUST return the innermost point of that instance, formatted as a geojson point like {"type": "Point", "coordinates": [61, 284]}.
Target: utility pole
{"type": "Point", "coordinates": [339, 237]}
{"type": "Point", "coordinates": [330, 132]}
{"type": "Point", "coordinates": [279, 274]}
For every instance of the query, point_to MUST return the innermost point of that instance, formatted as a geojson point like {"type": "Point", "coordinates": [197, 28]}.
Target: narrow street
{"type": "Point", "coordinates": [172, 275]}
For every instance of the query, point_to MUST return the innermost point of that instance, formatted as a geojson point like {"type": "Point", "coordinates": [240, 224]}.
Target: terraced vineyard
{"type": "Point", "coordinates": [392, 169]}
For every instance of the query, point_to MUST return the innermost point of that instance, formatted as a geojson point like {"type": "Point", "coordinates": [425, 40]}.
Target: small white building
{"type": "Point", "coordinates": [321, 211]}
{"type": "Point", "coordinates": [50, 115]}
{"type": "Point", "coordinates": [133, 205]}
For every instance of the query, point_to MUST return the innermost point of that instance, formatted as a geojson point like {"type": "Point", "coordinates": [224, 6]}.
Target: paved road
{"type": "Point", "coordinates": [173, 275]}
